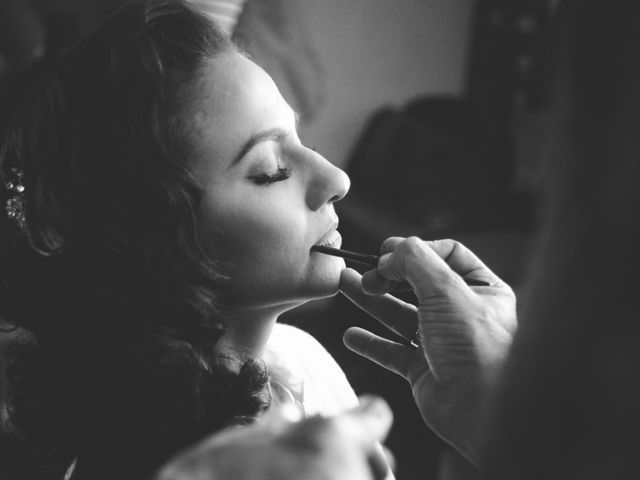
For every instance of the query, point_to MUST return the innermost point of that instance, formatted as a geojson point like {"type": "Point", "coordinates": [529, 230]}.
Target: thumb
{"type": "Point", "coordinates": [415, 262]}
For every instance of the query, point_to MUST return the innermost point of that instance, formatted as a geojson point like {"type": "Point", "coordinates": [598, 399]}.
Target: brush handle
{"type": "Point", "coordinates": [369, 260]}
{"type": "Point", "coordinates": [372, 261]}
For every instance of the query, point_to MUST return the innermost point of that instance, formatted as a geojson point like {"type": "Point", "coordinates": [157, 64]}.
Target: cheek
{"type": "Point", "coordinates": [258, 240]}
{"type": "Point", "coordinates": [263, 243]}
{"type": "Point", "coordinates": [254, 235]}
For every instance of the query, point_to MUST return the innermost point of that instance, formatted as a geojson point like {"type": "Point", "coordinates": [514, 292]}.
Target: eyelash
{"type": "Point", "coordinates": [265, 179]}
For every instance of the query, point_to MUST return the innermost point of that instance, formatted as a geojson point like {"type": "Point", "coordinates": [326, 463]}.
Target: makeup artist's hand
{"type": "Point", "coordinates": [464, 332]}
{"type": "Point", "coordinates": [280, 448]}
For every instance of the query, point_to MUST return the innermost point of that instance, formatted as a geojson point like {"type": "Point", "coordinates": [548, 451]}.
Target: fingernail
{"type": "Point", "coordinates": [383, 260]}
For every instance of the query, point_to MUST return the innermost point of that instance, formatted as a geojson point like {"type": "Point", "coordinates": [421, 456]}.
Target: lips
{"type": "Point", "coordinates": [331, 239]}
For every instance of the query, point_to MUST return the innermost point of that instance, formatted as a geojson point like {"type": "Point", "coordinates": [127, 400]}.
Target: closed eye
{"type": "Point", "coordinates": [281, 174]}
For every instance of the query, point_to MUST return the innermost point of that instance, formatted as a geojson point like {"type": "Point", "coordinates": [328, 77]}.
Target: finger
{"type": "Point", "coordinates": [463, 261]}
{"type": "Point", "coordinates": [375, 284]}
{"type": "Point", "coordinates": [459, 259]}
{"type": "Point", "coordinates": [390, 244]}
{"type": "Point", "coordinates": [390, 355]}
{"type": "Point", "coordinates": [427, 273]}
{"type": "Point", "coordinates": [427, 270]}
{"type": "Point", "coordinates": [398, 316]}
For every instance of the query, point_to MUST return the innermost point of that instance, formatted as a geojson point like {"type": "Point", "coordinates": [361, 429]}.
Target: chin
{"type": "Point", "coordinates": [291, 290]}
{"type": "Point", "coordinates": [327, 291]}
{"type": "Point", "coordinates": [327, 281]}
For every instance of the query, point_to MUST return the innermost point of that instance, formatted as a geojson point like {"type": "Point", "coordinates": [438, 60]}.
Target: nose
{"type": "Point", "coordinates": [327, 184]}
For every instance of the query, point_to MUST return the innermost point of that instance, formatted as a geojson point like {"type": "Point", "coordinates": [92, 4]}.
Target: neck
{"type": "Point", "coordinates": [248, 330]}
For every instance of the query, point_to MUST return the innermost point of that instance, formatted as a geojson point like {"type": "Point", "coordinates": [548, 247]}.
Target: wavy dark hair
{"type": "Point", "coordinates": [116, 291]}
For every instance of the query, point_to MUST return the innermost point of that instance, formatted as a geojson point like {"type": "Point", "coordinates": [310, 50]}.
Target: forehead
{"type": "Point", "coordinates": [235, 100]}
{"type": "Point", "coordinates": [232, 82]}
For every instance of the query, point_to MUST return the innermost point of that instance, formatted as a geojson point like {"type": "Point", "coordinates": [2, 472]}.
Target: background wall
{"type": "Point", "coordinates": [89, 13]}
{"type": "Point", "coordinates": [382, 52]}
{"type": "Point", "coordinates": [374, 53]}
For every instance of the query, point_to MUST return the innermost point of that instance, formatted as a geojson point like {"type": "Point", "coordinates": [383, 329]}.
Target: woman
{"type": "Point", "coordinates": [162, 210]}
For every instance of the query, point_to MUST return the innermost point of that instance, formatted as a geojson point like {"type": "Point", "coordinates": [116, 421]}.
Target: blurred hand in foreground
{"type": "Point", "coordinates": [279, 448]}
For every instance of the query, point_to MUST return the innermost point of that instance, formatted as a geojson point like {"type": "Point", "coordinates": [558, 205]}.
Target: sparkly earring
{"type": "Point", "coordinates": [15, 204]}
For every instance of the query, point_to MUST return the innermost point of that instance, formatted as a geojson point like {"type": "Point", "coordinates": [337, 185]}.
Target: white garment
{"type": "Point", "coordinates": [309, 372]}
{"type": "Point", "coordinates": [299, 362]}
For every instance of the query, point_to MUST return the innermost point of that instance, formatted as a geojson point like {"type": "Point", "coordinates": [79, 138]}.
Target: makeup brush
{"type": "Point", "coordinates": [372, 261]}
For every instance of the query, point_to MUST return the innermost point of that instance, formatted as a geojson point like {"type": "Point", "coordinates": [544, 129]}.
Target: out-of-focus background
{"type": "Point", "coordinates": [435, 108]}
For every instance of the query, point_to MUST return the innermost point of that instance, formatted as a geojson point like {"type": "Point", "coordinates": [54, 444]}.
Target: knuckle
{"type": "Point", "coordinates": [455, 249]}
{"type": "Point", "coordinates": [445, 241]}
{"type": "Point", "coordinates": [390, 244]}
{"type": "Point", "coordinates": [448, 247]}
{"type": "Point", "coordinates": [413, 245]}
{"type": "Point", "coordinates": [456, 243]}
{"type": "Point", "coordinates": [390, 240]}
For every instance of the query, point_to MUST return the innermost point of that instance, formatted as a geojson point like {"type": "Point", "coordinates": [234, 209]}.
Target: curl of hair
{"type": "Point", "coordinates": [117, 290]}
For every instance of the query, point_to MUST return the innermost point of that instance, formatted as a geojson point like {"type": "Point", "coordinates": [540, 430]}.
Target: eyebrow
{"type": "Point", "coordinates": [270, 134]}
{"type": "Point", "coordinates": [275, 134]}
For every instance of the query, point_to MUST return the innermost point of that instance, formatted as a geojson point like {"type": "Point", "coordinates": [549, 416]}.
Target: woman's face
{"type": "Point", "coordinates": [267, 198]}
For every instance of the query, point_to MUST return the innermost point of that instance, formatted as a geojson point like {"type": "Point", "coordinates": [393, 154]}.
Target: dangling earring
{"type": "Point", "coordinates": [14, 207]}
